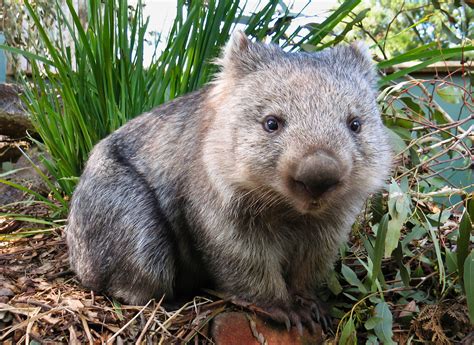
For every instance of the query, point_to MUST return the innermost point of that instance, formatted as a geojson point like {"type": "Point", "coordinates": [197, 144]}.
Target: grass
{"type": "Point", "coordinates": [410, 250]}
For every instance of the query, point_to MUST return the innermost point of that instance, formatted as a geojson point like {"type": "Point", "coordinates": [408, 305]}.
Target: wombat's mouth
{"type": "Point", "coordinates": [311, 199]}
{"type": "Point", "coordinates": [316, 192]}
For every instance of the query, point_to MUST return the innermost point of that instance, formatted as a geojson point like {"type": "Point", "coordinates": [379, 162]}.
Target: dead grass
{"type": "Point", "coordinates": [40, 300]}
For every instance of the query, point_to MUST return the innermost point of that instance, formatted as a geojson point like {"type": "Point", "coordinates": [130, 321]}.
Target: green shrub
{"type": "Point", "coordinates": [408, 246]}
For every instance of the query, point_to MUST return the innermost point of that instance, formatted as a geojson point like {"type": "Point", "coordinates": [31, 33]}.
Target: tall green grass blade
{"type": "Point", "coordinates": [31, 192]}
{"type": "Point", "coordinates": [29, 219]}
{"type": "Point", "coordinates": [26, 54]}
{"type": "Point", "coordinates": [320, 31]}
{"type": "Point", "coordinates": [415, 55]}
{"type": "Point", "coordinates": [46, 180]}
{"type": "Point", "coordinates": [439, 258]}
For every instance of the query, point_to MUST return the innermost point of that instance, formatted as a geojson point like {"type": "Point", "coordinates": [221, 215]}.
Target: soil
{"type": "Point", "coordinates": [42, 302]}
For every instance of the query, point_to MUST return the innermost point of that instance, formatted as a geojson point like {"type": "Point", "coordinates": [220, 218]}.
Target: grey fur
{"type": "Point", "coordinates": [196, 193]}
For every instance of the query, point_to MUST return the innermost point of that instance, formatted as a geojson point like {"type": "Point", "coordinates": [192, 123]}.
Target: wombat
{"type": "Point", "coordinates": [247, 186]}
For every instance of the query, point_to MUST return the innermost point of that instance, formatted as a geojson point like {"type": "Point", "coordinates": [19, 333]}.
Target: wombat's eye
{"type": "Point", "coordinates": [271, 124]}
{"type": "Point", "coordinates": [355, 125]}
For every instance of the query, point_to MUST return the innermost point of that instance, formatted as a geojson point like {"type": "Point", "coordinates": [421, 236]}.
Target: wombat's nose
{"type": "Point", "coordinates": [317, 173]}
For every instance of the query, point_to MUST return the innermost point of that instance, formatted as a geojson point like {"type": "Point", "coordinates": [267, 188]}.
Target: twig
{"type": "Point", "coordinates": [150, 319]}
{"type": "Point", "coordinates": [128, 323]}
{"type": "Point", "coordinates": [443, 112]}
{"type": "Point", "coordinates": [439, 193]}
{"type": "Point", "coordinates": [86, 329]}
{"type": "Point", "coordinates": [59, 274]}
{"type": "Point", "coordinates": [26, 322]}
{"type": "Point", "coordinates": [30, 325]}
{"type": "Point", "coordinates": [36, 303]}
{"type": "Point", "coordinates": [175, 314]}
{"type": "Point", "coordinates": [441, 143]}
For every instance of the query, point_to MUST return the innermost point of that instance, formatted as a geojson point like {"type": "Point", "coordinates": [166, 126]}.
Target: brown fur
{"type": "Point", "coordinates": [196, 193]}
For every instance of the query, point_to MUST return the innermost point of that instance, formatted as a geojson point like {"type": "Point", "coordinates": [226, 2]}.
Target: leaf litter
{"type": "Point", "coordinates": [42, 301]}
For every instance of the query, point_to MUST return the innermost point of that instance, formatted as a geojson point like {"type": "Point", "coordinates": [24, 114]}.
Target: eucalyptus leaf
{"type": "Point", "coordinates": [383, 329]}
{"type": "Point", "coordinates": [404, 270]}
{"type": "Point", "coordinates": [399, 204]}
{"type": "Point", "coordinates": [416, 109]}
{"type": "Point", "coordinates": [393, 235]}
{"type": "Point", "coordinates": [372, 322]}
{"type": "Point", "coordinates": [451, 262]}
{"type": "Point", "coordinates": [463, 242]}
{"type": "Point", "coordinates": [352, 278]}
{"type": "Point", "coordinates": [355, 299]}
{"type": "Point", "coordinates": [333, 284]}
{"type": "Point", "coordinates": [379, 249]}
{"type": "Point", "coordinates": [450, 94]}
{"type": "Point", "coordinates": [396, 141]}
{"type": "Point", "coordinates": [372, 340]}
{"type": "Point", "coordinates": [348, 334]}
{"type": "Point", "coordinates": [469, 284]}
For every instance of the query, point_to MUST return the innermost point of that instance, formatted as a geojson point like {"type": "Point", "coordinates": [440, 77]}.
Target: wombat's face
{"type": "Point", "coordinates": [303, 128]}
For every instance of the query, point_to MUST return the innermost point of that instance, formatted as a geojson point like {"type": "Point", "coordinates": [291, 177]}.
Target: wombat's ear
{"type": "Point", "coordinates": [236, 56]}
{"type": "Point", "coordinates": [360, 51]}
{"type": "Point", "coordinates": [242, 56]}
{"type": "Point", "coordinates": [238, 45]}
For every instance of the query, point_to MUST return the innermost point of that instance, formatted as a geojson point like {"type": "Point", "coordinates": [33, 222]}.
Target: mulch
{"type": "Point", "coordinates": [42, 302]}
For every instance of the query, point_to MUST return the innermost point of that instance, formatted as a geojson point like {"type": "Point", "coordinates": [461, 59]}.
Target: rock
{"type": "Point", "coordinates": [14, 120]}
{"type": "Point", "coordinates": [8, 195]}
{"type": "Point", "coordinates": [9, 148]}
{"type": "Point", "coordinates": [27, 177]}
{"type": "Point", "coordinates": [241, 328]}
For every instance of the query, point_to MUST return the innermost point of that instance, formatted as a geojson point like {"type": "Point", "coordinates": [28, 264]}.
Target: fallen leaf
{"type": "Point", "coordinates": [409, 309]}
{"type": "Point", "coordinates": [73, 304]}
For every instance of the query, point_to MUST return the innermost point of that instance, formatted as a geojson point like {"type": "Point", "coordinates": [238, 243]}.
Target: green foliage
{"type": "Point", "coordinates": [383, 328]}
{"type": "Point", "coordinates": [414, 241]}
{"type": "Point", "coordinates": [80, 93]}
{"type": "Point", "coordinates": [398, 26]}
{"type": "Point", "coordinates": [420, 233]}
{"type": "Point", "coordinates": [348, 334]}
{"type": "Point", "coordinates": [469, 284]}
{"type": "Point", "coordinates": [463, 242]}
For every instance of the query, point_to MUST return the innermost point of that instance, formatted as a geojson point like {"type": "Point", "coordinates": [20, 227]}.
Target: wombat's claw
{"type": "Point", "coordinates": [302, 317]}
{"type": "Point", "coordinates": [296, 317]}
{"type": "Point", "coordinates": [296, 321]}
{"type": "Point", "coordinates": [321, 316]}
{"type": "Point", "coordinates": [317, 308]}
{"type": "Point", "coordinates": [276, 314]}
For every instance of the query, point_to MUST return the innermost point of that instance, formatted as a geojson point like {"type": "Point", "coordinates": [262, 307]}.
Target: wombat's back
{"type": "Point", "coordinates": [126, 226]}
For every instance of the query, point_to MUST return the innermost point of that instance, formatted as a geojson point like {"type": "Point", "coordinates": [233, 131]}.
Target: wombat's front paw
{"type": "Point", "coordinates": [278, 314]}
{"type": "Point", "coordinates": [296, 316]}
{"type": "Point", "coordinates": [316, 308]}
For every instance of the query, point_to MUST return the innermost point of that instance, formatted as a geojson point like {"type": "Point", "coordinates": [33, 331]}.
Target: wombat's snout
{"type": "Point", "coordinates": [318, 173]}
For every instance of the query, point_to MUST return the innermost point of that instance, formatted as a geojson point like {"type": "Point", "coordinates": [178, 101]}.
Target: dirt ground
{"type": "Point", "coordinates": [41, 301]}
